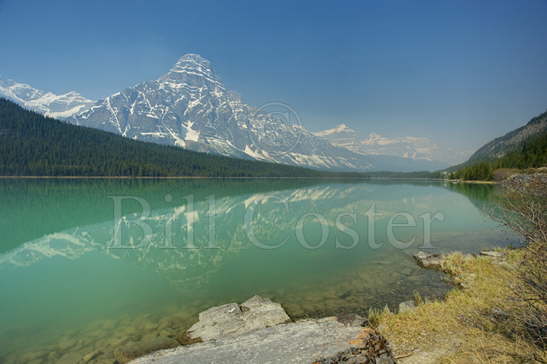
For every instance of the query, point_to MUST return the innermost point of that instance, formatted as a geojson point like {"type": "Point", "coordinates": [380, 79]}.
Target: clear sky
{"type": "Point", "coordinates": [460, 72]}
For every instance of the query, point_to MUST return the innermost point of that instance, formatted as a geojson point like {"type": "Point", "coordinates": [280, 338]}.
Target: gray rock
{"type": "Point", "coordinates": [233, 319]}
{"type": "Point", "coordinates": [304, 341]}
{"type": "Point", "coordinates": [429, 260]}
{"type": "Point", "coordinates": [406, 306]}
{"type": "Point", "coordinates": [492, 253]}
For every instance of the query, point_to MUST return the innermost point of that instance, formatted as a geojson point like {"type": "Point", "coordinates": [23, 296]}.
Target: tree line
{"type": "Point", "coordinates": [531, 154]}
{"type": "Point", "coordinates": [34, 145]}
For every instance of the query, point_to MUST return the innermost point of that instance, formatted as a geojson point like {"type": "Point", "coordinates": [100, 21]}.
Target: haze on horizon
{"type": "Point", "coordinates": [459, 73]}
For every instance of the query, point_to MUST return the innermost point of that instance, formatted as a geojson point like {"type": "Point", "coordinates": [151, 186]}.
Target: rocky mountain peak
{"type": "Point", "coordinates": [193, 70]}
{"type": "Point", "coordinates": [189, 107]}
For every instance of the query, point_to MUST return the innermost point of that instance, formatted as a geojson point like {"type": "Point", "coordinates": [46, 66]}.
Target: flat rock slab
{"type": "Point", "coordinates": [298, 342]}
{"type": "Point", "coordinates": [233, 319]}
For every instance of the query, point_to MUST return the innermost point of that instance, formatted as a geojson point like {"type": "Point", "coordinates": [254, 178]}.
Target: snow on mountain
{"type": "Point", "coordinates": [48, 103]}
{"type": "Point", "coordinates": [190, 107]}
{"type": "Point", "coordinates": [409, 147]}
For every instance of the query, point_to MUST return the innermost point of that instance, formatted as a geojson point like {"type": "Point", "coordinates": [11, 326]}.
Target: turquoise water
{"type": "Point", "coordinates": [98, 264]}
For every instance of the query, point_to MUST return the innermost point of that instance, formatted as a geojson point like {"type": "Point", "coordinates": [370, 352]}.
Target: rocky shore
{"type": "Point", "coordinates": [461, 328]}
{"type": "Point", "coordinates": [260, 331]}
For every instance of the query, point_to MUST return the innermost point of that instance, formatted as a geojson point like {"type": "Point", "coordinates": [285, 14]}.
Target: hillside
{"type": "Point", "coordinates": [34, 145]}
{"type": "Point", "coordinates": [511, 141]}
{"type": "Point", "coordinates": [531, 153]}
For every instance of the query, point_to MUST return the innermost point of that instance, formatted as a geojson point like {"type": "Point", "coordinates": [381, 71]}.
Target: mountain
{"type": "Point", "coordinates": [34, 145]}
{"type": "Point", "coordinates": [532, 153]}
{"type": "Point", "coordinates": [189, 107]}
{"type": "Point", "coordinates": [511, 141]}
{"type": "Point", "coordinates": [522, 148]}
{"type": "Point", "coordinates": [413, 150]}
{"type": "Point", "coordinates": [47, 103]}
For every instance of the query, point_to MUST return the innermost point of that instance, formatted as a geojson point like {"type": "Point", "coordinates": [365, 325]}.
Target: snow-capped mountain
{"type": "Point", "coordinates": [409, 147]}
{"type": "Point", "coordinates": [190, 107]}
{"type": "Point", "coordinates": [47, 103]}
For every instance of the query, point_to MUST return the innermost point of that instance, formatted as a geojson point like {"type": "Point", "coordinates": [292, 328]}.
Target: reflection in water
{"type": "Point", "coordinates": [177, 247]}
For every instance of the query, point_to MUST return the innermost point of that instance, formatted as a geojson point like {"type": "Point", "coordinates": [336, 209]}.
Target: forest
{"type": "Point", "coordinates": [531, 154]}
{"type": "Point", "coordinates": [34, 145]}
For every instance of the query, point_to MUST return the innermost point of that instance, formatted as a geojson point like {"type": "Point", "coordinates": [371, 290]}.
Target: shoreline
{"type": "Point", "coordinates": [478, 182]}
{"type": "Point", "coordinates": [364, 178]}
{"type": "Point", "coordinates": [422, 331]}
{"type": "Point", "coordinates": [200, 347]}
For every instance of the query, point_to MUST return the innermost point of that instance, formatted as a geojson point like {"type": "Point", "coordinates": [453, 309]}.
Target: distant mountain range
{"type": "Point", "coordinates": [189, 107]}
{"type": "Point", "coordinates": [47, 103]}
{"type": "Point", "coordinates": [408, 147]}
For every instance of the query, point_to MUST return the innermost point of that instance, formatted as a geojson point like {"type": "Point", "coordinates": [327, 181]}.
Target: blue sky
{"type": "Point", "coordinates": [460, 72]}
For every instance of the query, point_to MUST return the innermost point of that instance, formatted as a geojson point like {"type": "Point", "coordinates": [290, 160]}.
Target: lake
{"type": "Point", "coordinates": [96, 264]}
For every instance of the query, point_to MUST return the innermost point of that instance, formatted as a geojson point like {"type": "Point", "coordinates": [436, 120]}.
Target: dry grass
{"type": "Point", "coordinates": [499, 315]}
{"type": "Point", "coordinates": [472, 325]}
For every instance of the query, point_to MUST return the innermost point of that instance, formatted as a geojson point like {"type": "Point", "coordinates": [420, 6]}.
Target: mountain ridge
{"type": "Point", "coordinates": [510, 141]}
{"type": "Point", "coordinates": [190, 107]}
{"type": "Point", "coordinates": [34, 145]}
{"type": "Point", "coordinates": [45, 102]}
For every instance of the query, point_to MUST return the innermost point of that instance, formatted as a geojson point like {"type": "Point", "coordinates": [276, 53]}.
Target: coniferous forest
{"type": "Point", "coordinates": [34, 145]}
{"type": "Point", "coordinates": [531, 154]}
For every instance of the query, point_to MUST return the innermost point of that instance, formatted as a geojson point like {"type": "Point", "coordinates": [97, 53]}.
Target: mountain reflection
{"type": "Point", "coordinates": [211, 224]}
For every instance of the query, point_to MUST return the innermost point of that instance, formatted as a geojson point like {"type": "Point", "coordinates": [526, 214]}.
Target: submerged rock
{"type": "Point", "coordinates": [351, 319]}
{"type": "Point", "coordinates": [233, 319]}
{"type": "Point", "coordinates": [429, 260]}
{"type": "Point", "coordinates": [136, 349]}
{"type": "Point", "coordinates": [91, 355]}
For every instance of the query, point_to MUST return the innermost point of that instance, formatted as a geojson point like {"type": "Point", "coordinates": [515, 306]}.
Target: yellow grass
{"type": "Point", "coordinates": [461, 327]}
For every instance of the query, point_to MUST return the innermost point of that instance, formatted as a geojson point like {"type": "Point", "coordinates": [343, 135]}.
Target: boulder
{"type": "Point", "coordinates": [429, 260]}
{"type": "Point", "coordinates": [233, 319]}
